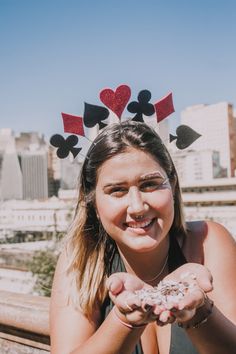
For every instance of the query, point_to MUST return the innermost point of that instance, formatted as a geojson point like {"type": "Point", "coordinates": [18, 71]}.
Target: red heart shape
{"type": "Point", "coordinates": [117, 100]}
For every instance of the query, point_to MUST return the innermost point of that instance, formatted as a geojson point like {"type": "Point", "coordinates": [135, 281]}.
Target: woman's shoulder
{"type": "Point", "coordinates": [208, 230]}
{"type": "Point", "coordinates": [207, 237]}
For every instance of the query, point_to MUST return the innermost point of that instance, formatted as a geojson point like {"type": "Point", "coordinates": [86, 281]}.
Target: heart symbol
{"type": "Point", "coordinates": [117, 100]}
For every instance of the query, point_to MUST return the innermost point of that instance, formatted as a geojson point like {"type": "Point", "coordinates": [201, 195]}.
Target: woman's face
{"type": "Point", "coordinates": [134, 200]}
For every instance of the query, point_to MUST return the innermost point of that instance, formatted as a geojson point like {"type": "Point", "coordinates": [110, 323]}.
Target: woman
{"type": "Point", "coordinates": [129, 234]}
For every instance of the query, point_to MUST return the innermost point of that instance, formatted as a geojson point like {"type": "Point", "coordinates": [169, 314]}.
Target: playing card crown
{"type": "Point", "coordinates": [116, 102]}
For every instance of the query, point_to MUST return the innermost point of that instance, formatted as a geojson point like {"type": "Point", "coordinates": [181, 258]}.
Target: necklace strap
{"type": "Point", "coordinates": [161, 271]}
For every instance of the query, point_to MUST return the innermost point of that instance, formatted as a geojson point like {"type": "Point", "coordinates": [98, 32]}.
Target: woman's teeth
{"type": "Point", "coordinates": [140, 224]}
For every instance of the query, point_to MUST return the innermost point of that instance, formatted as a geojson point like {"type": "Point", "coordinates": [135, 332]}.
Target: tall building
{"type": "Point", "coordinates": [216, 124]}
{"type": "Point", "coordinates": [54, 172]}
{"type": "Point", "coordinates": [26, 139]}
{"type": "Point", "coordinates": [162, 128]}
{"type": "Point", "coordinates": [34, 172]}
{"type": "Point", "coordinates": [196, 166]}
{"type": "Point", "coordinates": [10, 171]}
{"type": "Point", "coordinates": [11, 177]}
{"type": "Point", "coordinates": [70, 170]}
{"type": "Point", "coordinates": [32, 149]}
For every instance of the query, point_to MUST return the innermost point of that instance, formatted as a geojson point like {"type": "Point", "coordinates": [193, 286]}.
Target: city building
{"type": "Point", "coordinates": [216, 124]}
{"type": "Point", "coordinates": [10, 171]}
{"type": "Point", "coordinates": [212, 200]}
{"type": "Point", "coordinates": [7, 140]}
{"type": "Point", "coordinates": [11, 186]}
{"type": "Point", "coordinates": [34, 216]}
{"type": "Point", "coordinates": [26, 139]}
{"type": "Point", "coordinates": [70, 170]}
{"type": "Point", "coordinates": [54, 172]}
{"type": "Point", "coordinates": [194, 166]}
{"type": "Point", "coordinates": [35, 174]}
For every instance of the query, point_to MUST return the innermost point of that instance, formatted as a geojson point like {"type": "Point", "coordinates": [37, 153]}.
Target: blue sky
{"type": "Point", "coordinates": [54, 55]}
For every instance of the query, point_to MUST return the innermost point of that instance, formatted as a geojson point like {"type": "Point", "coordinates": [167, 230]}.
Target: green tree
{"type": "Point", "coordinates": [42, 266]}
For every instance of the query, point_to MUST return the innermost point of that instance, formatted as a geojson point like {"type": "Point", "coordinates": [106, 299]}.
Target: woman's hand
{"type": "Point", "coordinates": [129, 307]}
{"type": "Point", "coordinates": [200, 282]}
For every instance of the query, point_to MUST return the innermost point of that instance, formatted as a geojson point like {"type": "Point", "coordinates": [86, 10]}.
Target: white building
{"type": "Point", "coordinates": [70, 170]}
{"type": "Point", "coordinates": [11, 177]}
{"type": "Point", "coordinates": [42, 216]}
{"type": "Point", "coordinates": [195, 166]}
{"type": "Point", "coordinates": [212, 199]}
{"type": "Point", "coordinates": [216, 124]}
{"type": "Point", "coordinates": [10, 171]}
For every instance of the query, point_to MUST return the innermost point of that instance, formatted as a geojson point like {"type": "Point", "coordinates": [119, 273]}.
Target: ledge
{"type": "Point", "coordinates": [24, 321]}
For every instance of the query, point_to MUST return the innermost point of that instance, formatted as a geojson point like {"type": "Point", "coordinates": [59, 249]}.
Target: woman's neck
{"type": "Point", "coordinates": [149, 266]}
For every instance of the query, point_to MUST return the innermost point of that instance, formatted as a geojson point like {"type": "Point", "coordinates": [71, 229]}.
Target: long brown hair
{"type": "Point", "coordinates": [91, 248]}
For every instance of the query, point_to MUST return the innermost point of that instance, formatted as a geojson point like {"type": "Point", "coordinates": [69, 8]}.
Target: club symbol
{"type": "Point", "coordinates": [65, 146]}
{"type": "Point", "coordinates": [142, 106]}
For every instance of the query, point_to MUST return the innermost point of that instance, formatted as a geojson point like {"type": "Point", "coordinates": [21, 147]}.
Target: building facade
{"type": "Point", "coordinates": [216, 124]}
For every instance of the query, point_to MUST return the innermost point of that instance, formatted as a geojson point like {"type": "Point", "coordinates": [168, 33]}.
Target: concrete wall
{"type": "Point", "coordinates": [24, 324]}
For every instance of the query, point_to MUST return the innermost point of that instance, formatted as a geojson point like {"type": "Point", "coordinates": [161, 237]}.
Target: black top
{"type": "Point", "coordinates": [180, 343]}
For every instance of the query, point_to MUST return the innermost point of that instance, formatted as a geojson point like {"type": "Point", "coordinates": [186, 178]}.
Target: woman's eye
{"type": "Point", "coordinates": [117, 191]}
{"type": "Point", "coordinates": [152, 185]}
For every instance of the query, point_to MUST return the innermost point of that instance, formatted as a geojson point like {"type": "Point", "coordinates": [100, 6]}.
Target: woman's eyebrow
{"type": "Point", "coordinates": [155, 174]}
{"type": "Point", "coordinates": [112, 184]}
{"type": "Point", "coordinates": [150, 175]}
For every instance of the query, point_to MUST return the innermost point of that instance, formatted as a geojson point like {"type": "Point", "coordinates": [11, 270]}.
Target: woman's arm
{"type": "Point", "coordinates": [71, 332]}
{"type": "Point", "coordinates": [218, 334]}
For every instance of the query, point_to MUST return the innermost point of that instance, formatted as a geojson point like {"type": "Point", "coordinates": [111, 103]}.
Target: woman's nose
{"type": "Point", "coordinates": [137, 204]}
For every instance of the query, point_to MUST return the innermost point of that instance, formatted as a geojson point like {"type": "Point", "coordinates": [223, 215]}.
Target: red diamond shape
{"type": "Point", "coordinates": [73, 124]}
{"type": "Point", "coordinates": [164, 107]}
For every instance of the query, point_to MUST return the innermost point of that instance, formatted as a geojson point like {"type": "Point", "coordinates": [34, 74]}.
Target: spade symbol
{"type": "Point", "coordinates": [94, 115]}
{"type": "Point", "coordinates": [185, 136]}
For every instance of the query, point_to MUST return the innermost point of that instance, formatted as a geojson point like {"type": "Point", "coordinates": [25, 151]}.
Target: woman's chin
{"type": "Point", "coordinates": [144, 244]}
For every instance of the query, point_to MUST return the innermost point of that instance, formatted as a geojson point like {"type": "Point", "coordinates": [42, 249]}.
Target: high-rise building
{"type": "Point", "coordinates": [196, 166]}
{"type": "Point", "coordinates": [7, 140]}
{"type": "Point", "coordinates": [34, 172]}
{"type": "Point", "coordinates": [11, 177]}
{"type": "Point", "coordinates": [26, 139]}
{"type": "Point", "coordinates": [10, 171]}
{"type": "Point", "coordinates": [162, 128]}
{"type": "Point", "coordinates": [54, 172]}
{"type": "Point", "coordinates": [32, 149]}
{"type": "Point", "coordinates": [216, 124]}
{"type": "Point", "coordinates": [70, 170]}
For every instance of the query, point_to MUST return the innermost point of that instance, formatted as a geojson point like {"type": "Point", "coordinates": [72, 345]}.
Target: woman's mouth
{"type": "Point", "coordinates": [140, 225]}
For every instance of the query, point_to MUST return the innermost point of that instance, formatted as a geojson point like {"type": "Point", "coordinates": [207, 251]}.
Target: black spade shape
{"type": "Point", "coordinates": [185, 136]}
{"type": "Point", "coordinates": [94, 115]}
{"type": "Point", "coordinates": [142, 106]}
{"type": "Point", "coordinates": [65, 146]}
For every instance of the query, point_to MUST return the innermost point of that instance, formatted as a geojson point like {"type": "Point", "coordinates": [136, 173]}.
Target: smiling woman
{"type": "Point", "coordinates": [128, 236]}
{"type": "Point", "coordinates": [134, 204]}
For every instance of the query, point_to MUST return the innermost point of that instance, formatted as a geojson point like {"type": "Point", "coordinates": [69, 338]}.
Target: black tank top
{"type": "Point", "coordinates": [180, 342]}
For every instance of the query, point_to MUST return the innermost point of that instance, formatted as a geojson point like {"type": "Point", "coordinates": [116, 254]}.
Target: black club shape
{"type": "Point", "coordinates": [65, 146]}
{"type": "Point", "coordinates": [142, 106]}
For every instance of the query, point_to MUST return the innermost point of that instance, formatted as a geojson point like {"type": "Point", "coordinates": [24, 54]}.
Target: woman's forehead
{"type": "Point", "coordinates": [131, 163]}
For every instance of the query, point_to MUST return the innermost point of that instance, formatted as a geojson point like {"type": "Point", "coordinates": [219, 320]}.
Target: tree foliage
{"type": "Point", "coordinates": [43, 266]}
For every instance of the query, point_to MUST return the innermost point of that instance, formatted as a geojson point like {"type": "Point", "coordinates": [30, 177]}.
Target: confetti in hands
{"type": "Point", "coordinates": [165, 293]}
